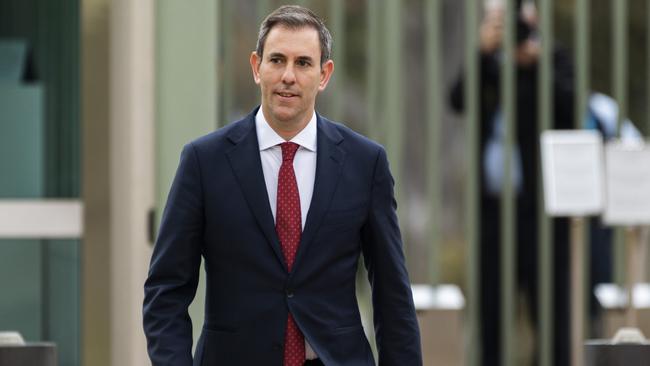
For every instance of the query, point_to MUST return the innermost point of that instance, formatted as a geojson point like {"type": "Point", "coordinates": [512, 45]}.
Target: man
{"type": "Point", "coordinates": [280, 205]}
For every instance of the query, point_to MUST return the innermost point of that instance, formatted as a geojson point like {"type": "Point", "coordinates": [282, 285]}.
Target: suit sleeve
{"type": "Point", "coordinates": [174, 269]}
{"type": "Point", "coordinates": [396, 327]}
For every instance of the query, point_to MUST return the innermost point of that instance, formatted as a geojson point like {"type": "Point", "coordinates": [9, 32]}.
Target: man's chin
{"type": "Point", "coordinates": [285, 114]}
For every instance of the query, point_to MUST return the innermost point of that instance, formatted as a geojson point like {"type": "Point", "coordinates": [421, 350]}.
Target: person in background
{"type": "Point", "coordinates": [526, 177]}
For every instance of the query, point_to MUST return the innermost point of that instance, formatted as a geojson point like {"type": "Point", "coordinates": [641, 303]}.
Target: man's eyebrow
{"type": "Point", "coordinates": [276, 54]}
{"type": "Point", "coordinates": [305, 58]}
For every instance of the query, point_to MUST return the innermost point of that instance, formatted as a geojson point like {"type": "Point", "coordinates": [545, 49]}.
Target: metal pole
{"type": "Point", "coordinates": [433, 154]}
{"type": "Point", "coordinates": [620, 58]}
{"type": "Point", "coordinates": [582, 60]}
{"type": "Point", "coordinates": [583, 288]}
{"type": "Point", "coordinates": [619, 82]}
{"type": "Point", "coordinates": [508, 227]}
{"type": "Point", "coordinates": [337, 13]}
{"type": "Point", "coordinates": [393, 98]}
{"type": "Point", "coordinates": [218, 108]}
{"type": "Point", "coordinates": [472, 223]}
{"type": "Point", "coordinates": [228, 85]}
{"type": "Point", "coordinates": [374, 124]}
{"type": "Point", "coordinates": [643, 257]}
{"type": "Point", "coordinates": [577, 296]}
{"type": "Point", "coordinates": [263, 9]}
{"type": "Point", "coordinates": [545, 224]}
{"type": "Point", "coordinates": [647, 24]}
{"type": "Point", "coordinates": [634, 259]}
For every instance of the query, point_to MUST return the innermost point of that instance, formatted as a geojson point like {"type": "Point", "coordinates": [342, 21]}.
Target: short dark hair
{"type": "Point", "coordinates": [295, 17]}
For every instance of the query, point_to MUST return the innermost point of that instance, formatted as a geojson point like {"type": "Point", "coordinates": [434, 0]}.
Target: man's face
{"type": "Point", "coordinates": [290, 75]}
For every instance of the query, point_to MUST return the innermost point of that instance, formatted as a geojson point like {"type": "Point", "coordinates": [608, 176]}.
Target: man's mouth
{"type": "Point", "coordinates": [286, 94]}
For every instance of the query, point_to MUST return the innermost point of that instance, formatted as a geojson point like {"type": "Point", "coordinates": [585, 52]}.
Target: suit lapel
{"type": "Point", "coordinates": [329, 161]}
{"type": "Point", "coordinates": [245, 162]}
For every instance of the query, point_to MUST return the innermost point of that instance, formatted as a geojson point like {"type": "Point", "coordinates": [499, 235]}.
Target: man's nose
{"type": "Point", "coordinates": [289, 77]}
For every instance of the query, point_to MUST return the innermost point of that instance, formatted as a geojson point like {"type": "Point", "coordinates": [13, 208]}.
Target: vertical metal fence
{"type": "Point", "coordinates": [545, 248]}
{"type": "Point", "coordinates": [472, 224]}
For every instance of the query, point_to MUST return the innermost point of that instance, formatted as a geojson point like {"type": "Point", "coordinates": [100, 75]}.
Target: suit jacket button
{"type": "Point", "coordinates": [290, 293]}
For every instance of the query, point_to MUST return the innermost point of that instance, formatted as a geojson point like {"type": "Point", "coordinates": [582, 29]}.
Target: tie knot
{"type": "Point", "coordinates": [289, 150]}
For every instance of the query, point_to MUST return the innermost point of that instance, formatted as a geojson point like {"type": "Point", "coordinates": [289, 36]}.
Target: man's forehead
{"type": "Point", "coordinates": [282, 34]}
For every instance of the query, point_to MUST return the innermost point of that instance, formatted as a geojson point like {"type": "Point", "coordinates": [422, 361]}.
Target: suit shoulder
{"type": "Point", "coordinates": [355, 139]}
{"type": "Point", "coordinates": [220, 139]}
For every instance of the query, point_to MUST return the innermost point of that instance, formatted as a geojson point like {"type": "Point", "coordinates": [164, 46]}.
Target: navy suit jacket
{"type": "Point", "coordinates": [218, 209]}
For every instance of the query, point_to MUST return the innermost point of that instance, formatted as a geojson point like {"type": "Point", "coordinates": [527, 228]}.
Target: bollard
{"type": "Point", "coordinates": [628, 348]}
{"type": "Point", "coordinates": [29, 354]}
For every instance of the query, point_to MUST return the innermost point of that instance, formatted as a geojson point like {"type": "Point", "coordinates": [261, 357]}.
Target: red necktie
{"type": "Point", "coordinates": [288, 224]}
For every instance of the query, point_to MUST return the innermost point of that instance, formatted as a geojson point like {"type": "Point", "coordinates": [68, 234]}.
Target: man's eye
{"type": "Point", "coordinates": [275, 60]}
{"type": "Point", "coordinates": [303, 63]}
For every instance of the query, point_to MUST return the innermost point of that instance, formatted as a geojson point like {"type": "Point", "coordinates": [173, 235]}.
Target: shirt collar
{"type": "Point", "coordinates": [267, 137]}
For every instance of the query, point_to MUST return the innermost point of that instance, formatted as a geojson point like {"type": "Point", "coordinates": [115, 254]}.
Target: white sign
{"type": "Point", "coordinates": [627, 173]}
{"type": "Point", "coordinates": [572, 169]}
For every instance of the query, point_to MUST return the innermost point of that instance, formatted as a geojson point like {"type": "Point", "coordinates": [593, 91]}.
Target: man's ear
{"type": "Point", "coordinates": [326, 71]}
{"type": "Point", "coordinates": [255, 66]}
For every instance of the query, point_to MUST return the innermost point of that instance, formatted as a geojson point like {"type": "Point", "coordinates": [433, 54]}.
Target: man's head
{"type": "Point", "coordinates": [291, 65]}
{"type": "Point", "coordinates": [294, 17]}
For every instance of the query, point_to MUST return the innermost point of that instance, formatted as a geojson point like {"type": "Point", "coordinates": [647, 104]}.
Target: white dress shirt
{"type": "Point", "coordinates": [304, 165]}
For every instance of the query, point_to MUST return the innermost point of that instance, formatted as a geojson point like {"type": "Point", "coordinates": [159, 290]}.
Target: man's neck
{"type": "Point", "coordinates": [289, 129]}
